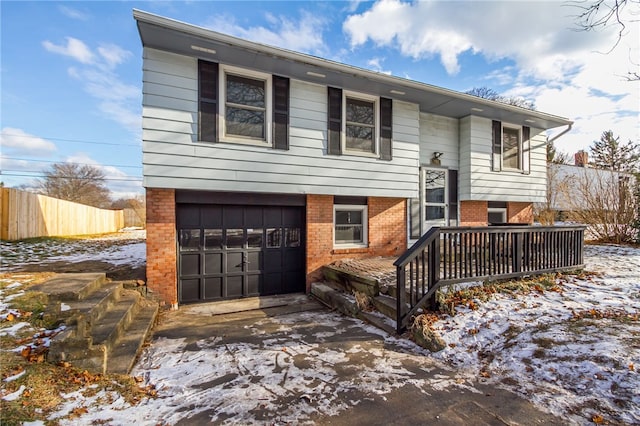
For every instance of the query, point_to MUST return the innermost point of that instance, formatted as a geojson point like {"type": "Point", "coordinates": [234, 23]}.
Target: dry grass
{"type": "Point", "coordinates": [363, 301]}
{"type": "Point", "coordinates": [44, 383]}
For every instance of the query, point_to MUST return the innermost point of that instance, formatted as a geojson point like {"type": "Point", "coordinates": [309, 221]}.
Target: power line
{"type": "Point", "coordinates": [71, 162]}
{"type": "Point", "coordinates": [69, 140]}
{"type": "Point", "coordinates": [131, 179]}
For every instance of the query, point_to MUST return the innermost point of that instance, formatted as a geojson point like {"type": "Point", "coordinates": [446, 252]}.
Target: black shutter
{"type": "Point", "coordinates": [280, 112]}
{"type": "Point", "coordinates": [207, 101]}
{"type": "Point", "coordinates": [334, 141]}
{"type": "Point", "coordinates": [453, 197]}
{"type": "Point", "coordinates": [496, 157]}
{"type": "Point", "coordinates": [526, 150]}
{"type": "Point", "coordinates": [386, 119]}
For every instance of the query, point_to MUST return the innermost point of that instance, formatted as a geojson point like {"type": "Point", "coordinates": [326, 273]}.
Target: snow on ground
{"type": "Point", "coordinates": [575, 352]}
{"type": "Point", "coordinates": [123, 248]}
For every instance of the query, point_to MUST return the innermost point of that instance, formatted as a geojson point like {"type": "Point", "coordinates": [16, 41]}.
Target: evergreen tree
{"type": "Point", "coordinates": [609, 153]}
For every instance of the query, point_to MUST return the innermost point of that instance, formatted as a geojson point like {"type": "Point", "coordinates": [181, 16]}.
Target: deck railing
{"type": "Point", "coordinates": [451, 255]}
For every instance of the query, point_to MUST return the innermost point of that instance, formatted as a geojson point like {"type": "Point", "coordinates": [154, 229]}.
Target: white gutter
{"type": "Point", "coordinates": [565, 131]}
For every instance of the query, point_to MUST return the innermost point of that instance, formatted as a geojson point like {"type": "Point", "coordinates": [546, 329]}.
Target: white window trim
{"type": "Point", "coordinates": [365, 225]}
{"type": "Point", "coordinates": [501, 210]}
{"type": "Point", "coordinates": [267, 78]}
{"type": "Point", "coordinates": [425, 204]}
{"type": "Point", "coordinates": [520, 148]}
{"type": "Point", "coordinates": [343, 132]}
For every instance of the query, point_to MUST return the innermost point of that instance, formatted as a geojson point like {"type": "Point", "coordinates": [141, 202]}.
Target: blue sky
{"type": "Point", "coordinates": [71, 71]}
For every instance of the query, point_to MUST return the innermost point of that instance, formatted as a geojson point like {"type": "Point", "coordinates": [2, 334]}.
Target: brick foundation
{"type": "Point", "coordinates": [161, 244]}
{"type": "Point", "coordinates": [473, 213]}
{"type": "Point", "coordinates": [387, 234]}
{"type": "Point", "coordinates": [520, 213]}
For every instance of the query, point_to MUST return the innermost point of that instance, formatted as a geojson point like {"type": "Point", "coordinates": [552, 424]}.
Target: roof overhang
{"type": "Point", "coordinates": [178, 37]}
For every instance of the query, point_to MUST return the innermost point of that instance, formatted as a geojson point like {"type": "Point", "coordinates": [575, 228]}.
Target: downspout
{"type": "Point", "coordinates": [561, 133]}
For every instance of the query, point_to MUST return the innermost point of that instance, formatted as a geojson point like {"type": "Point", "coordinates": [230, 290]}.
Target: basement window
{"type": "Point", "coordinates": [350, 225]}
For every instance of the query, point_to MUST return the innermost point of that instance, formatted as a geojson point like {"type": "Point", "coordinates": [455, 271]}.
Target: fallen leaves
{"type": "Point", "coordinates": [612, 314]}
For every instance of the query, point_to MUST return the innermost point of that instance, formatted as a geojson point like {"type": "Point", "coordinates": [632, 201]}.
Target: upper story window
{"type": "Point", "coordinates": [242, 106]}
{"type": "Point", "coordinates": [360, 125]}
{"type": "Point", "coordinates": [511, 148]}
{"type": "Point", "coordinates": [246, 114]}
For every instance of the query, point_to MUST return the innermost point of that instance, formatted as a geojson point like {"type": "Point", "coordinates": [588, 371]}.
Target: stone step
{"type": "Point", "coordinates": [351, 281]}
{"type": "Point", "coordinates": [83, 313]}
{"type": "Point", "coordinates": [381, 321]}
{"type": "Point", "coordinates": [70, 287]}
{"type": "Point", "coordinates": [386, 305]}
{"type": "Point", "coordinates": [126, 350]}
{"type": "Point", "coordinates": [111, 326]}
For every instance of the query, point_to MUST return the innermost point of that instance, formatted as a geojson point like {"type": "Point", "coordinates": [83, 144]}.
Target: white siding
{"type": "Point", "coordinates": [173, 158]}
{"type": "Point", "coordinates": [439, 134]}
{"type": "Point", "coordinates": [478, 182]}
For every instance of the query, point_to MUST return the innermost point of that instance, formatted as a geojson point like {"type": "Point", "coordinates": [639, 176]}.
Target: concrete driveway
{"type": "Point", "coordinates": [303, 364]}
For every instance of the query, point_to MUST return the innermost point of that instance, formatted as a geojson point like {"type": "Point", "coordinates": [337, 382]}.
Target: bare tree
{"type": "Point", "coordinates": [137, 204]}
{"type": "Point", "coordinates": [556, 157]}
{"type": "Point", "coordinates": [83, 184]}
{"type": "Point", "coordinates": [604, 200]}
{"type": "Point", "coordinates": [557, 185]}
{"type": "Point", "coordinates": [488, 93]}
{"type": "Point", "coordinates": [596, 15]}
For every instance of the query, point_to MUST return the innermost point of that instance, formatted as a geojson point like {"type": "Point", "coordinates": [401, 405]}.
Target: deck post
{"type": "Point", "coordinates": [401, 294]}
{"type": "Point", "coordinates": [516, 255]}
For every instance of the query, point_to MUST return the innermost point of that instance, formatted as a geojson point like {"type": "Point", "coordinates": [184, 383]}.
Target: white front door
{"type": "Point", "coordinates": [435, 198]}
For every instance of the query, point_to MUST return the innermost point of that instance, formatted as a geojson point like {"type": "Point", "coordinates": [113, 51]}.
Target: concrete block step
{"type": "Point", "coordinates": [386, 305]}
{"type": "Point", "coordinates": [381, 321]}
{"type": "Point", "coordinates": [70, 287]}
{"type": "Point", "coordinates": [123, 354]}
{"type": "Point", "coordinates": [110, 327]}
{"type": "Point", "coordinates": [334, 299]}
{"type": "Point", "coordinates": [83, 313]}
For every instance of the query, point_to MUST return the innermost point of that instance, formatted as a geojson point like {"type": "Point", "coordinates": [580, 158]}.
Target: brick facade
{"type": "Point", "coordinates": [474, 213]}
{"type": "Point", "coordinates": [161, 244]}
{"type": "Point", "coordinates": [387, 234]}
{"type": "Point", "coordinates": [520, 213]}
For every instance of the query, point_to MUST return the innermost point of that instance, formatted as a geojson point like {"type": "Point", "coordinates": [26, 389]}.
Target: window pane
{"type": "Point", "coordinates": [212, 239]}
{"type": "Point", "coordinates": [360, 138]}
{"type": "Point", "coordinates": [274, 237]}
{"type": "Point", "coordinates": [359, 111]}
{"type": "Point", "coordinates": [348, 234]}
{"type": "Point", "coordinates": [292, 237]}
{"type": "Point", "coordinates": [434, 213]}
{"type": "Point", "coordinates": [496, 217]}
{"type": "Point", "coordinates": [510, 148]}
{"type": "Point", "coordinates": [235, 238]}
{"type": "Point", "coordinates": [189, 239]}
{"type": "Point", "coordinates": [434, 186]}
{"type": "Point", "coordinates": [254, 238]}
{"type": "Point", "coordinates": [245, 122]}
{"type": "Point", "coordinates": [245, 91]}
{"type": "Point", "coordinates": [348, 217]}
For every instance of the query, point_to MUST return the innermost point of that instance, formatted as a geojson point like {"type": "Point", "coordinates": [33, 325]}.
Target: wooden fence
{"type": "Point", "coordinates": [27, 215]}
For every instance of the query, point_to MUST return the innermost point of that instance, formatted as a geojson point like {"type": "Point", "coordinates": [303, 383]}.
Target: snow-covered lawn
{"type": "Point", "coordinates": [573, 352]}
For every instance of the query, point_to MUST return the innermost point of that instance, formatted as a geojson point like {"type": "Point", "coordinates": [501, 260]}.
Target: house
{"type": "Point", "coordinates": [261, 164]}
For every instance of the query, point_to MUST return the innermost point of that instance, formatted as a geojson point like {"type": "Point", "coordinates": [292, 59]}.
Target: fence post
{"type": "Point", "coordinates": [400, 296]}
{"type": "Point", "coordinates": [516, 252]}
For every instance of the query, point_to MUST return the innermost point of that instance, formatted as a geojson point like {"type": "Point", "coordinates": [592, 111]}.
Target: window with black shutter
{"type": "Point", "coordinates": [242, 106]}
{"type": "Point", "coordinates": [510, 147]}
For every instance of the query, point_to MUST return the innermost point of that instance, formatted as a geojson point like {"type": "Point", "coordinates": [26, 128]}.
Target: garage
{"type": "Point", "coordinates": [231, 251]}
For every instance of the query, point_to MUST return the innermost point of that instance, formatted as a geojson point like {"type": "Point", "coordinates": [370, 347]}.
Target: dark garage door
{"type": "Point", "coordinates": [228, 252]}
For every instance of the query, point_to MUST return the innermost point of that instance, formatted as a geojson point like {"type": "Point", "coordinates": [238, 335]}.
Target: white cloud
{"type": "Point", "coordinates": [376, 65]}
{"type": "Point", "coordinates": [565, 72]}
{"type": "Point", "coordinates": [74, 48]}
{"type": "Point", "coordinates": [117, 100]}
{"type": "Point", "coordinates": [303, 34]}
{"type": "Point", "coordinates": [113, 55]}
{"type": "Point", "coordinates": [16, 142]}
{"type": "Point", "coordinates": [72, 13]}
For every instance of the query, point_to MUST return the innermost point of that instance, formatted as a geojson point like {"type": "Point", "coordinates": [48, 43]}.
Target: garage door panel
{"type": "Point", "coordinates": [213, 288]}
{"type": "Point", "coordinates": [272, 260]}
{"type": "Point", "coordinates": [291, 282]}
{"type": "Point", "coordinates": [233, 217]}
{"type": "Point", "coordinates": [273, 216]}
{"type": "Point", "coordinates": [190, 290]}
{"type": "Point", "coordinates": [213, 263]}
{"type": "Point", "coordinates": [253, 217]}
{"type": "Point", "coordinates": [234, 286]}
{"type": "Point", "coordinates": [188, 216]}
{"type": "Point", "coordinates": [255, 261]}
{"type": "Point", "coordinates": [190, 264]}
{"type": "Point", "coordinates": [272, 283]}
{"type": "Point", "coordinates": [253, 285]}
{"type": "Point", "coordinates": [234, 262]}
